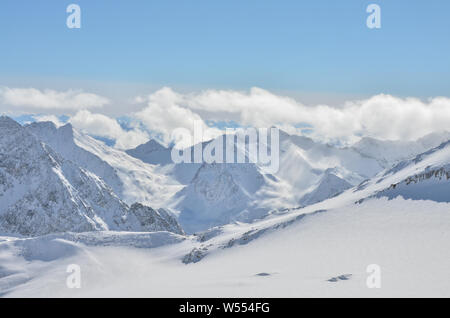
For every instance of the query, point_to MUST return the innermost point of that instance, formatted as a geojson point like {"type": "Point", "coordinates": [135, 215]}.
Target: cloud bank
{"type": "Point", "coordinates": [23, 99]}
{"type": "Point", "coordinates": [165, 111]}
{"type": "Point", "coordinates": [103, 126]}
{"type": "Point", "coordinates": [381, 116]}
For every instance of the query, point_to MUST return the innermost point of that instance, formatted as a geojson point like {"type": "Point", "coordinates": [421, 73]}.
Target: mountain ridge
{"type": "Point", "coordinates": [42, 193]}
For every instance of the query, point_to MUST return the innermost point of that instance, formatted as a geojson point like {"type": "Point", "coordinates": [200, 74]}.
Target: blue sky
{"type": "Point", "coordinates": [320, 47]}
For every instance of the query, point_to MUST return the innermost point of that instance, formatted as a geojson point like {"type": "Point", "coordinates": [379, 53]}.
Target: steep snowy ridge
{"type": "Point", "coordinates": [62, 141]}
{"type": "Point", "coordinates": [390, 152]}
{"type": "Point", "coordinates": [208, 195]}
{"type": "Point", "coordinates": [425, 177]}
{"type": "Point", "coordinates": [329, 186]}
{"type": "Point", "coordinates": [42, 193]}
{"type": "Point", "coordinates": [433, 164]}
{"type": "Point", "coordinates": [216, 194]}
{"type": "Point", "coordinates": [432, 184]}
{"type": "Point", "coordinates": [428, 179]}
{"type": "Point", "coordinates": [131, 179]}
{"type": "Point", "coordinates": [325, 156]}
{"type": "Point", "coordinates": [219, 194]}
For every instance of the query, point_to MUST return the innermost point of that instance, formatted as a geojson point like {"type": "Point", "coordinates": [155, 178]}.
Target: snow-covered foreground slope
{"type": "Point", "coordinates": [295, 256]}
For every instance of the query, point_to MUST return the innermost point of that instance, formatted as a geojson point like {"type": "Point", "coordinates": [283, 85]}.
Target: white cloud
{"type": "Point", "coordinates": [26, 99]}
{"type": "Point", "coordinates": [166, 113]}
{"type": "Point", "coordinates": [381, 116]}
{"type": "Point", "coordinates": [104, 126]}
{"type": "Point", "coordinates": [52, 118]}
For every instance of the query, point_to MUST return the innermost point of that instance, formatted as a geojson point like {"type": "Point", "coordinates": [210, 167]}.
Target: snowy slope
{"type": "Point", "coordinates": [422, 180]}
{"type": "Point", "coordinates": [408, 240]}
{"type": "Point", "coordinates": [215, 194]}
{"type": "Point", "coordinates": [329, 186]}
{"type": "Point", "coordinates": [290, 253]}
{"type": "Point", "coordinates": [304, 164]}
{"type": "Point", "coordinates": [429, 168]}
{"type": "Point", "coordinates": [388, 152]}
{"type": "Point", "coordinates": [41, 193]}
{"type": "Point", "coordinates": [219, 194]}
{"type": "Point", "coordinates": [428, 179]}
{"type": "Point", "coordinates": [205, 195]}
{"type": "Point", "coordinates": [325, 156]}
{"type": "Point", "coordinates": [131, 179]}
{"type": "Point", "coordinates": [62, 141]}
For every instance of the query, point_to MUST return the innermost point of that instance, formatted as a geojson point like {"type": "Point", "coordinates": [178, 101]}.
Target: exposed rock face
{"type": "Point", "coordinates": [155, 220]}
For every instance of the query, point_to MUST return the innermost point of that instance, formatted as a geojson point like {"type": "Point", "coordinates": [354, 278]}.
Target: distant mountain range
{"type": "Point", "coordinates": [59, 179]}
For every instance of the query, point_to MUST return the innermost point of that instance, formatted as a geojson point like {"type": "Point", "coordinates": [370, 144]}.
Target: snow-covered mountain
{"type": "Point", "coordinates": [389, 152]}
{"type": "Point", "coordinates": [412, 184]}
{"type": "Point", "coordinates": [309, 172]}
{"type": "Point", "coordinates": [219, 194]}
{"type": "Point", "coordinates": [425, 177]}
{"type": "Point", "coordinates": [131, 179]}
{"type": "Point", "coordinates": [206, 195]}
{"type": "Point", "coordinates": [216, 194]}
{"type": "Point", "coordinates": [62, 140]}
{"type": "Point", "coordinates": [41, 193]}
{"type": "Point", "coordinates": [298, 251]}
{"type": "Point", "coordinates": [324, 249]}
{"type": "Point", "coordinates": [329, 185]}
{"type": "Point", "coordinates": [152, 152]}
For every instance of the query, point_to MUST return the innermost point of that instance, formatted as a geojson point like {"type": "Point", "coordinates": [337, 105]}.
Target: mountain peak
{"type": "Point", "coordinates": [8, 122]}
{"type": "Point", "coordinates": [152, 145]}
{"type": "Point", "coordinates": [67, 131]}
{"type": "Point", "coordinates": [151, 152]}
{"type": "Point", "coordinates": [47, 130]}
